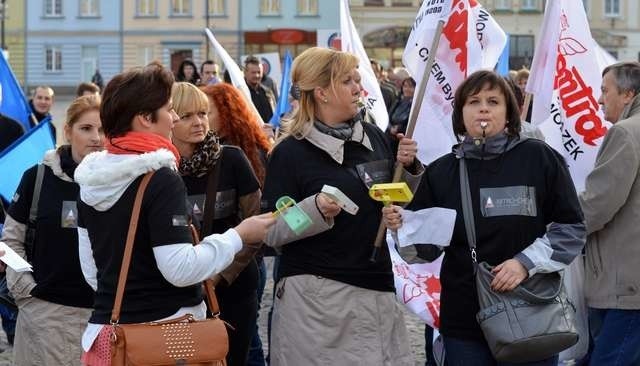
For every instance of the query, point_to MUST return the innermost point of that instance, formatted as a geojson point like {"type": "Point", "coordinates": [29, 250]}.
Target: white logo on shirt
{"type": "Point", "coordinates": [489, 203]}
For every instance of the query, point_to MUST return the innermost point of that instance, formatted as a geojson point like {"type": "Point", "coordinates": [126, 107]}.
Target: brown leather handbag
{"type": "Point", "coordinates": [180, 341]}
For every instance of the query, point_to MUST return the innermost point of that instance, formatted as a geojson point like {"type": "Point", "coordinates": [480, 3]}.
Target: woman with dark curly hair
{"type": "Point", "coordinates": [235, 123]}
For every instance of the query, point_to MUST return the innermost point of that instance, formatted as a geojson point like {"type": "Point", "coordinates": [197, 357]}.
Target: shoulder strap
{"type": "Point", "coordinates": [30, 238]}
{"type": "Point", "coordinates": [33, 211]}
{"type": "Point", "coordinates": [128, 249]}
{"type": "Point", "coordinates": [210, 197]}
{"type": "Point", "coordinates": [467, 209]}
{"type": "Point", "coordinates": [208, 284]}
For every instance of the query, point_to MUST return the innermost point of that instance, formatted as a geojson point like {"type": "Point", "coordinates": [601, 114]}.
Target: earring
{"type": "Point", "coordinates": [326, 100]}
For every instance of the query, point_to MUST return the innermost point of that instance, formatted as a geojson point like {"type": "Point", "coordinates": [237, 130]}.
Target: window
{"type": "Point", "coordinates": [307, 7]}
{"type": "Point", "coordinates": [217, 7]}
{"type": "Point", "coordinates": [53, 61]}
{"type": "Point", "coordinates": [53, 8]}
{"type": "Point", "coordinates": [146, 8]}
{"type": "Point", "coordinates": [145, 55]}
{"type": "Point", "coordinates": [612, 8]}
{"type": "Point", "coordinates": [401, 3]}
{"type": "Point", "coordinates": [520, 51]}
{"type": "Point", "coordinates": [503, 4]}
{"type": "Point", "coordinates": [181, 7]}
{"type": "Point", "coordinates": [89, 8]}
{"type": "Point", "coordinates": [269, 7]}
{"type": "Point", "coordinates": [585, 3]}
{"type": "Point", "coordinates": [529, 5]}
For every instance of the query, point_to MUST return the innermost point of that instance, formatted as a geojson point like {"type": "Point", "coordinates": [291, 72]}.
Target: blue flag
{"type": "Point", "coordinates": [23, 154]}
{"type": "Point", "coordinates": [12, 100]}
{"type": "Point", "coordinates": [503, 62]}
{"type": "Point", "coordinates": [285, 85]}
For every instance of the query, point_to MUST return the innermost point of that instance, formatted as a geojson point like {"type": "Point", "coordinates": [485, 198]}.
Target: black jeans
{"type": "Point", "coordinates": [239, 307]}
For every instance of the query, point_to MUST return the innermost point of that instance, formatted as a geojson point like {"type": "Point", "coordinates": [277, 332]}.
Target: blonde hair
{"type": "Point", "coordinates": [187, 98]}
{"type": "Point", "coordinates": [315, 67]}
{"type": "Point", "coordinates": [81, 105]}
{"type": "Point", "coordinates": [523, 73]}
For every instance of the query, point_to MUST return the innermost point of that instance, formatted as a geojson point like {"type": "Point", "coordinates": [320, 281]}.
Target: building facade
{"type": "Point", "coordinates": [615, 25]}
{"type": "Point", "coordinates": [384, 27]}
{"type": "Point", "coordinates": [68, 40]}
{"type": "Point", "coordinates": [278, 25]}
{"type": "Point", "coordinates": [14, 38]}
{"type": "Point", "coordinates": [170, 31]}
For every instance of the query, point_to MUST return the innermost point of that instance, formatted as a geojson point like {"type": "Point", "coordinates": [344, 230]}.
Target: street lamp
{"type": "Point", "coordinates": [206, 16]}
{"type": "Point", "coordinates": [3, 9]}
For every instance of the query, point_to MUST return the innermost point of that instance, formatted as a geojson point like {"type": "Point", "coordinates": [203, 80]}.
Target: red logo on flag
{"type": "Point", "coordinates": [456, 32]}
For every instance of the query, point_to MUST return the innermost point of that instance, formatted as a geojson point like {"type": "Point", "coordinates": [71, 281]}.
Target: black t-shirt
{"type": "Point", "coordinates": [299, 169]}
{"type": "Point", "coordinates": [499, 235]}
{"type": "Point", "coordinates": [236, 179]}
{"type": "Point", "coordinates": [163, 221]}
{"type": "Point", "coordinates": [261, 101]}
{"type": "Point", "coordinates": [55, 259]}
{"type": "Point", "coordinates": [10, 131]}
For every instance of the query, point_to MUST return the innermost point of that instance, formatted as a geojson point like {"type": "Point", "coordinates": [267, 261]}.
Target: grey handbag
{"type": "Point", "coordinates": [532, 322]}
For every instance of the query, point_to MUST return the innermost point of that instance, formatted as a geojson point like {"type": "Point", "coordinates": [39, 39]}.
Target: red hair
{"type": "Point", "coordinates": [239, 125]}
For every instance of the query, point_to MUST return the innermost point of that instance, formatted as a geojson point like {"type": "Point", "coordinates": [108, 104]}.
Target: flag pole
{"type": "Point", "coordinates": [525, 107]}
{"type": "Point", "coordinates": [413, 117]}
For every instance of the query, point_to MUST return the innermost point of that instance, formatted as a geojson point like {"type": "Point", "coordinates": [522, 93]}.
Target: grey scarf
{"type": "Point", "coordinates": [490, 148]}
{"type": "Point", "coordinates": [342, 131]}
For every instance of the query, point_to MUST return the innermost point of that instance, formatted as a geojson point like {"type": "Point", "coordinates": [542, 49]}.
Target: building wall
{"type": "Point", "coordinates": [156, 37]}
{"type": "Point", "coordinates": [370, 19]}
{"type": "Point", "coordinates": [618, 34]}
{"type": "Point", "coordinates": [72, 33]}
{"type": "Point", "coordinates": [287, 16]}
{"type": "Point", "coordinates": [15, 36]}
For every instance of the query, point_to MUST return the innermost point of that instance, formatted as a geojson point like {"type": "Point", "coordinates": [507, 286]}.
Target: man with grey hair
{"type": "Point", "coordinates": [611, 206]}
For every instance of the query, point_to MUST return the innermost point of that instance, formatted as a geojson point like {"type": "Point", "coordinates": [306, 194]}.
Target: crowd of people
{"type": "Point", "coordinates": [209, 163]}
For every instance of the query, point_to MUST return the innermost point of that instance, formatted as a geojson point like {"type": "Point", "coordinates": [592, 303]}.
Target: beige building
{"type": "Point", "coordinates": [15, 37]}
{"type": "Point", "coordinates": [615, 25]}
{"type": "Point", "coordinates": [170, 31]}
{"type": "Point", "coordinates": [384, 26]}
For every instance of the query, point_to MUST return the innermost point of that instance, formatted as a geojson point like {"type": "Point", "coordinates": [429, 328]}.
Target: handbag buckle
{"type": "Point", "coordinates": [114, 337]}
{"type": "Point", "coordinates": [473, 255]}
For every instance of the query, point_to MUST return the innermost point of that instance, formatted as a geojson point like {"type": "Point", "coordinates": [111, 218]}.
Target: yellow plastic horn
{"type": "Point", "coordinates": [391, 192]}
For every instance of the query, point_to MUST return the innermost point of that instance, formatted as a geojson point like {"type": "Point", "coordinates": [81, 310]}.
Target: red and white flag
{"type": "Point", "coordinates": [471, 40]}
{"type": "Point", "coordinates": [372, 95]}
{"type": "Point", "coordinates": [566, 75]}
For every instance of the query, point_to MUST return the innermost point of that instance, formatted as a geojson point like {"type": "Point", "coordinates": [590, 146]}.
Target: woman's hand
{"type": "Point", "coordinates": [254, 229]}
{"type": "Point", "coordinates": [508, 275]}
{"type": "Point", "coordinates": [392, 217]}
{"type": "Point", "coordinates": [407, 150]}
{"type": "Point", "coordinates": [327, 207]}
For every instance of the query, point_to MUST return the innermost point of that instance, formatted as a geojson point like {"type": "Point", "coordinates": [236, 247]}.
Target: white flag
{"type": "Point", "coordinates": [565, 81]}
{"type": "Point", "coordinates": [471, 40]}
{"type": "Point", "coordinates": [351, 43]}
{"type": "Point", "coordinates": [237, 77]}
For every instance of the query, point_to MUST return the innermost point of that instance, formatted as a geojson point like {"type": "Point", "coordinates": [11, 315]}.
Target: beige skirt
{"type": "Point", "coordinates": [318, 321]}
{"type": "Point", "coordinates": [48, 333]}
